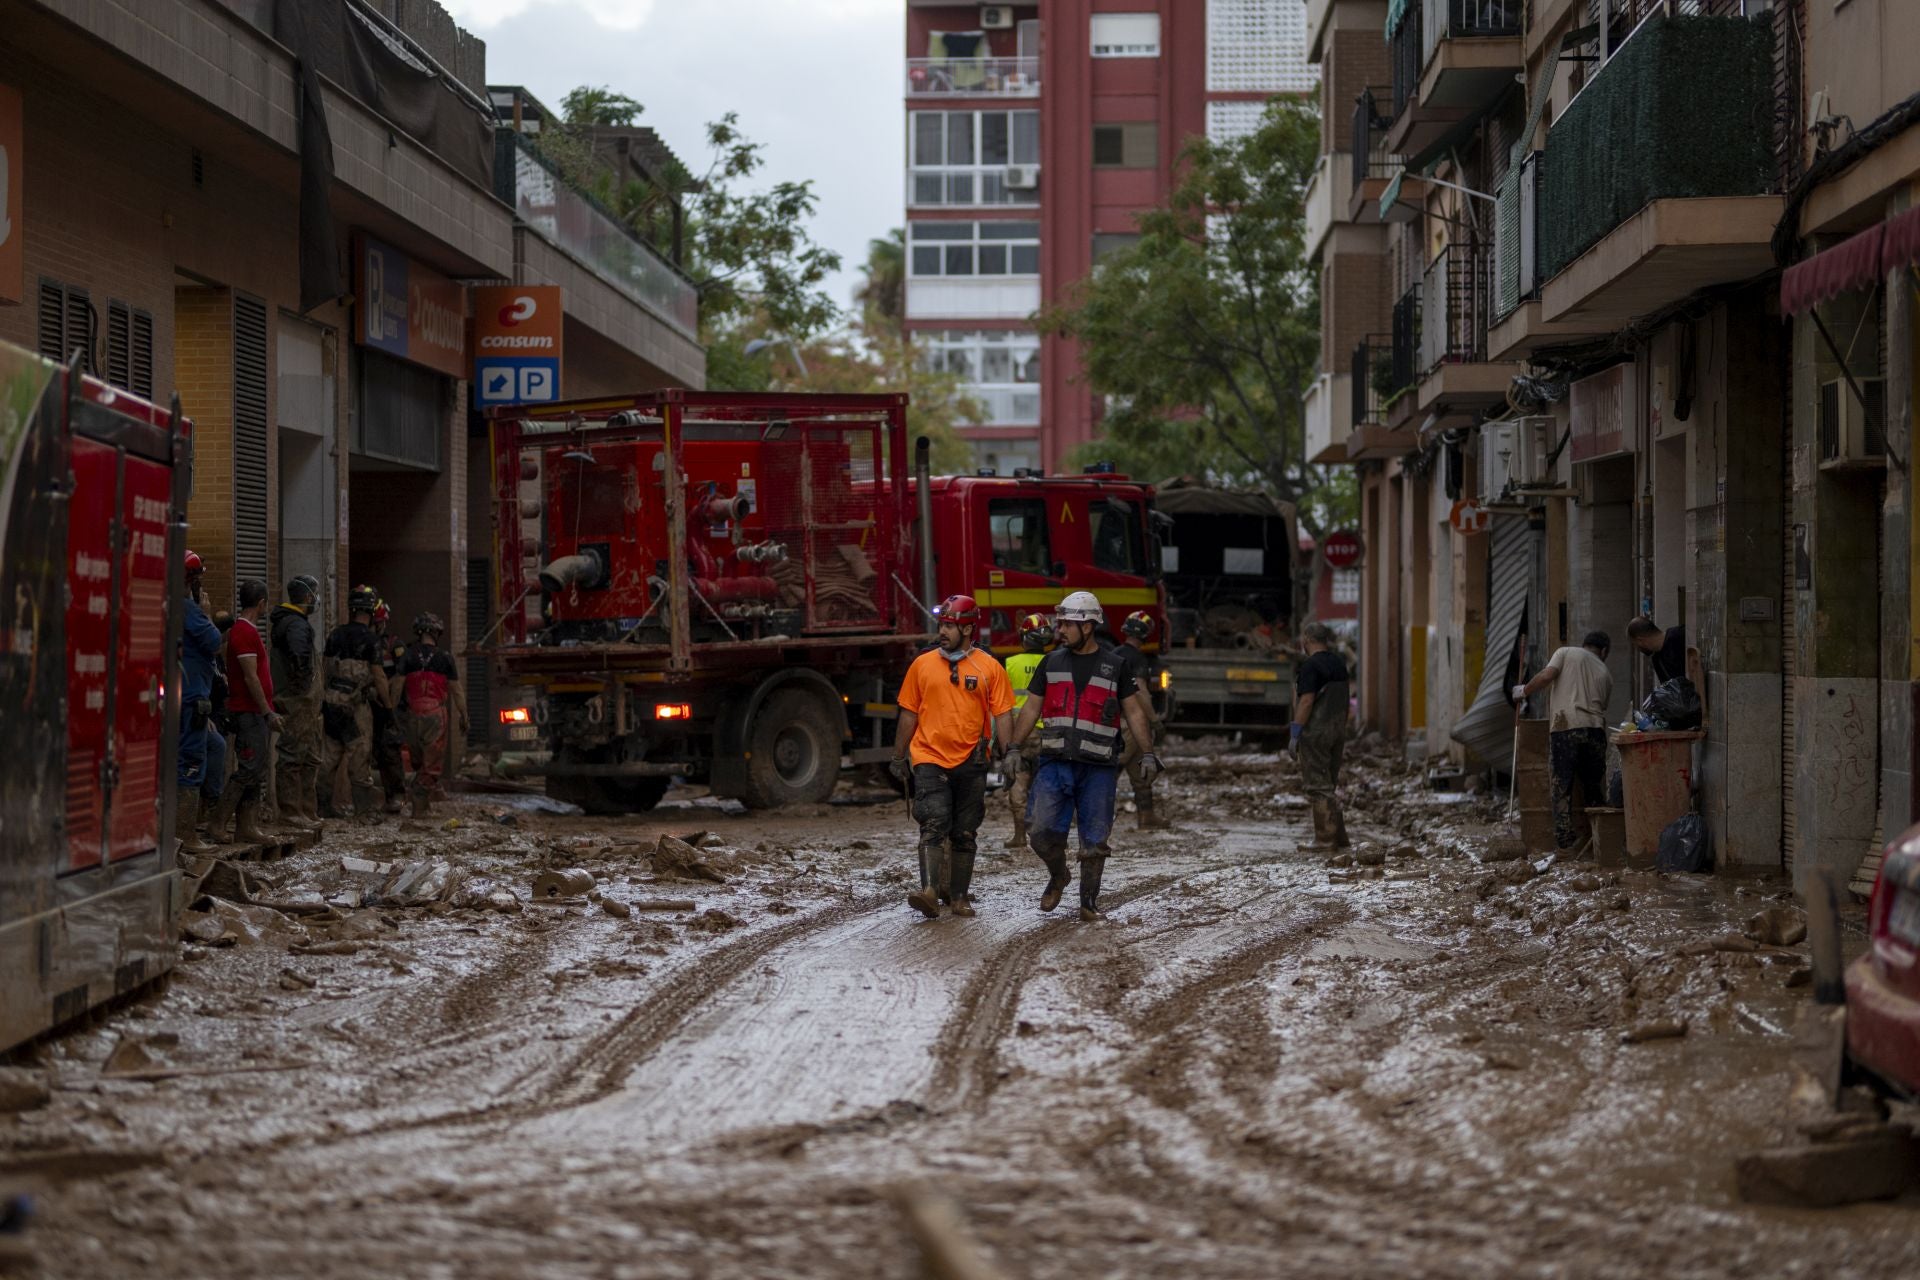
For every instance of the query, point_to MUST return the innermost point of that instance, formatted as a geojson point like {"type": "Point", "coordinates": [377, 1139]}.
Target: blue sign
{"type": "Point", "coordinates": [516, 379]}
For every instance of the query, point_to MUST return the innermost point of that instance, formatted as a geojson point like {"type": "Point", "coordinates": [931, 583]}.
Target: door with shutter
{"type": "Point", "coordinates": [250, 425]}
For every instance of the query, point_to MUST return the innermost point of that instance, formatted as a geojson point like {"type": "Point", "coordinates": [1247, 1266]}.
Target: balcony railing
{"type": "Point", "coordinates": [1406, 338]}
{"type": "Point", "coordinates": [1407, 53]}
{"type": "Point", "coordinates": [1453, 322]}
{"type": "Point", "coordinates": [1469, 19]}
{"type": "Point", "coordinates": [578, 225]}
{"type": "Point", "coordinates": [966, 186]}
{"type": "Point", "coordinates": [1374, 388]}
{"type": "Point", "coordinates": [1371, 159]}
{"type": "Point", "coordinates": [973, 77]}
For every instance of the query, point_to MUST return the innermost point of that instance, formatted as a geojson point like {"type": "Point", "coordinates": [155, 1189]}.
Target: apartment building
{"type": "Point", "coordinates": [1619, 321]}
{"type": "Point", "coordinates": [1035, 134]}
{"type": "Point", "coordinates": [293, 254]}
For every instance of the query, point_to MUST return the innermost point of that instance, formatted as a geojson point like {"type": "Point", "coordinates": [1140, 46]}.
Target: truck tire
{"type": "Point", "coordinates": [793, 751]}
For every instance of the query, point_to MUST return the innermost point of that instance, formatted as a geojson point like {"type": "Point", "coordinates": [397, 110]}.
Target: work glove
{"type": "Point", "coordinates": [901, 769]}
{"type": "Point", "coordinates": [1519, 693]}
{"type": "Point", "coordinates": [1150, 768]}
{"type": "Point", "coordinates": [1293, 739]}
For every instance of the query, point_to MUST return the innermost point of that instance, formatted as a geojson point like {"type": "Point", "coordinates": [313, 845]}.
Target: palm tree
{"type": "Point", "coordinates": [882, 291]}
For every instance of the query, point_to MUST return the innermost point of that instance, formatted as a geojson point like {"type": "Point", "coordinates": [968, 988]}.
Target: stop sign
{"type": "Point", "coordinates": [1341, 548]}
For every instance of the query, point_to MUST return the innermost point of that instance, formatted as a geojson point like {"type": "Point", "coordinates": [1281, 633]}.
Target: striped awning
{"type": "Point", "coordinates": [1391, 196]}
{"type": "Point", "coordinates": [1854, 263]}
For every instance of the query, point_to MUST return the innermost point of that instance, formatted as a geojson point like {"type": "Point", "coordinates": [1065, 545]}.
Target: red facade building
{"type": "Point", "coordinates": [1035, 134]}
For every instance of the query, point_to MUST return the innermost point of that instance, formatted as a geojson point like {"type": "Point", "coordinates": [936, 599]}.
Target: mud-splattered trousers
{"type": "Point", "coordinates": [300, 735]}
{"type": "Point", "coordinates": [251, 755]}
{"type": "Point", "coordinates": [1575, 756]}
{"type": "Point", "coordinates": [1066, 793]}
{"type": "Point", "coordinates": [1322, 745]}
{"type": "Point", "coordinates": [427, 743]}
{"type": "Point", "coordinates": [949, 804]}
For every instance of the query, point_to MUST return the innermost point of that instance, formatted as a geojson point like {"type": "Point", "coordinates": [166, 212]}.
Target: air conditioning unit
{"type": "Point", "coordinates": [996, 17]}
{"type": "Point", "coordinates": [1533, 445]}
{"type": "Point", "coordinates": [1022, 177]}
{"type": "Point", "coordinates": [1853, 434]}
{"type": "Point", "coordinates": [1496, 461]}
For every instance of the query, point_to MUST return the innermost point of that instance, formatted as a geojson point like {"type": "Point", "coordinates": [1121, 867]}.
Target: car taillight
{"type": "Point", "coordinates": [516, 715]}
{"type": "Point", "coordinates": [672, 711]}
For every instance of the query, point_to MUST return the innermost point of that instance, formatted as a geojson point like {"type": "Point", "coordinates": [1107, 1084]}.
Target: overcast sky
{"type": "Point", "coordinates": [816, 81]}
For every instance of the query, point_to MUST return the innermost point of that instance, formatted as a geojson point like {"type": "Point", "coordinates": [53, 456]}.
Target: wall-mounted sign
{"type": "Point", "coordinates": [408, 310]}
{"type": "Point", "coordinates": [13, 230]}
{"type": "Point", "coordinates": [516, 344]}
{"type": "Point", "coordinates": [1468, 516]}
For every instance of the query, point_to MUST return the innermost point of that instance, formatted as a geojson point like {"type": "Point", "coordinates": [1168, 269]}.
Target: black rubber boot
{"type": "Point", "coordinates": [1144, 818]}
{"type": "Point", "coordinates": [1091, 870]}
{"type": "Point", "coordinates": [960, 882]}
{"type": "Point", "coordinates": [926, 899]}
{"type": "Point", "coordinates": [1058, 877]}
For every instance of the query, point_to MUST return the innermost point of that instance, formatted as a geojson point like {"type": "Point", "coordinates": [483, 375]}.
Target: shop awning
{"type": "Point", "coordinates": [1396, 11]}
{"type": "Point", "coordinates": [1391, 196]}
{"type": "Point", "coordinates": [1901, 248]}
{"type": "Point", "coordinates": [1854, 263]}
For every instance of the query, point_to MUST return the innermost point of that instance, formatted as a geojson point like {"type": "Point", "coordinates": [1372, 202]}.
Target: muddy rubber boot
{"type": "Point", "coordinates": [1018, 840]}
{"type": "Point", "coordinates": [960, 884]}
{"type": "Point", "coordinates": [1091, 871]}
{"type": "Point", "coordinates": [246, 824]}
{"type": "Point", "coordinates": [310, 795]}
{"type": "Point", "coordinates": [1339, 824]}
{"type": "Point", "coordinates": [1058, 878]}
{"type": "Point", "coordinates": [1322, 823]}
{"type": "Point", "coordinates": [186, 822]}
{"type": "Point", "coordinates": [220, 821]}
{"type": "Point", "coordinates": [926, 899]}
{"type": "Point", "coordinates": [1144, 818]}
{"type": "Point", "coordinates": [365, 808]}
{"type": "Point", "coordinates": [421, 801]}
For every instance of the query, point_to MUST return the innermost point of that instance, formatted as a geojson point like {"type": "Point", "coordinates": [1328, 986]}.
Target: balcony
{"type": "Point", "coordinates": [1690, 206]}
{"type": "Point", "coordinates": [1327, 411]}
{"type": "Point", "coordinates": [1451, 60]}
{"type": "Point", "coordinates": [1378, 395]}
{"type": "Point", "coordinates": [973, 77]}
{"type": "Point", "coordinates": [1332, 174]}
{"type": "Point", "coordinates": [578, 226]}
{"type": "Point", "coordinates": [972, 186]}
{"type": "Point", "coordinates": [1375, 167]}
{"type": "Point", "coordinates": [1456, 376]}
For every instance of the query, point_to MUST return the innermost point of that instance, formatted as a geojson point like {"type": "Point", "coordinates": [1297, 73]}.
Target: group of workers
{"type": "Point", "coordinates": [1070, 715]}
{"type": "Point", "coordinates": [258, 694]}
{"type": "Point", "coordinates": [1579, 687]}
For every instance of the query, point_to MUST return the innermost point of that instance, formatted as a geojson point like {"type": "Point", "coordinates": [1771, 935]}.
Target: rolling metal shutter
{"type": "Point", "coordinates": [250, 438]}
{"type": "Point", "coordinates": [1486, 728]}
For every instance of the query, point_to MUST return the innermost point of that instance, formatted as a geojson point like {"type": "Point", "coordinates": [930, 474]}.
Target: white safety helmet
{"type": "Point", "coordinates": [1080, 606]}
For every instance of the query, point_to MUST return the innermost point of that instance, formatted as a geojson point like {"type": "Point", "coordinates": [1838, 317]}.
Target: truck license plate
{"type": "Point", "coordinates": [1903, 922]}
{"type": "Point", "coordinates": [523, 733]}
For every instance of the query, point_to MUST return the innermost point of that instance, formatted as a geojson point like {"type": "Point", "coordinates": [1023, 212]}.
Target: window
{"type": "Point", "coordinates": [1126, 146]}
{"type": "Point", "coordinates": [1019, 527]}
{"type": "Point", "coordinates": [1126, 35]}
{"type": "Point", "coordinates": [962, 157]}
{"type": "Point", "coordinates": [1117, 543]}
{"type": "Point", "coordinates": [1001, 369]}
{"type": "Point", "coordinates": [973, 249]}
{"type": "Point", "coordinates": [1110, 242]}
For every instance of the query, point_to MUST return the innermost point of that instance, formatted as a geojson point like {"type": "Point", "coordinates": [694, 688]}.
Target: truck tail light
{"type": "Point", "coordinates": [515, 715]}
{"type": "Point", "coordinates": [1166, 679]}
{"type": "Point", "coordinates": [672, 711]}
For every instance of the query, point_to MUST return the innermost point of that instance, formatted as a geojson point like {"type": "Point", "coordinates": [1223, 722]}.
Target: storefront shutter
{"type": "Point", "coordinates": [250, 438]}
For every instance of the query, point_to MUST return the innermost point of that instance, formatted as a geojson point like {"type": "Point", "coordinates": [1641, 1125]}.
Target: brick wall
{"type": "Point", "coordinates": [1354, 301]}
{"type": "Point", "coordinates": [1355, 60]}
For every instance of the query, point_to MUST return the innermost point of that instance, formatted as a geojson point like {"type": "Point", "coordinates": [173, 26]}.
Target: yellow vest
{"type": "Point", "coordinates": [1020, 668]}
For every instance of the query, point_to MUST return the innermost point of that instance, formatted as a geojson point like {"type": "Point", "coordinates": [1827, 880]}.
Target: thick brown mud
{"type": "Point", "coordinates": [1259, 1065]}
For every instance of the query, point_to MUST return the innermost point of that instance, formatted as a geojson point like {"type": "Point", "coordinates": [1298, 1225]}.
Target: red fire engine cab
{"type": "Point", "coordinates": [93, 492]}
{"type": "Point", "coordinates": [729, 586]}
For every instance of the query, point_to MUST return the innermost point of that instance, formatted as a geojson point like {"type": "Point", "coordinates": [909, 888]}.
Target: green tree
{"type": "Point", "coordinates": [590, 105]}
{"type": "Point", "coordinates": [1203, 334]}
{"type": "Point", "coordinates": [882, 292]}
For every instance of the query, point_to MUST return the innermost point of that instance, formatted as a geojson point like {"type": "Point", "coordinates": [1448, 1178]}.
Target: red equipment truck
{"type": "Point", "coordinates": [729, 586]}
{"type": "Point", "coordinates": [93, 492]}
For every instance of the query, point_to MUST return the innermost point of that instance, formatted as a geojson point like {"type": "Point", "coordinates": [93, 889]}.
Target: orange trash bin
{"type": "Point", "coordinates": [1656, 783]}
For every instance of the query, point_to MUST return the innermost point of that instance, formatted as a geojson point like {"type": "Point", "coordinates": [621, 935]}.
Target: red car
{"type": "Point", "coordinates": [1883, 986]}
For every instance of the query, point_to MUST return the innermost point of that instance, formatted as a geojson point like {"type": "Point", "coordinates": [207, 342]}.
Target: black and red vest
{"type": "Point", "coordinates": [1081, 724]}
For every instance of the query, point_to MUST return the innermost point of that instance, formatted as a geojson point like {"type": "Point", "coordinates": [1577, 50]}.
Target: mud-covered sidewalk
{"type": "Point", "coordinates": [728, 1056]}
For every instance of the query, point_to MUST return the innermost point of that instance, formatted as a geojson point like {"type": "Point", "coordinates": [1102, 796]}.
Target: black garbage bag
{"type": "Point", "coordinates": [1685, 845]}
{"type": "Point", "coordinates": [1673, 704]}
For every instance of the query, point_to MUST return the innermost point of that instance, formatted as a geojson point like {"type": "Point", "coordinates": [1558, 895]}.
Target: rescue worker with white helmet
{"type": "Point", "coordinates": [1085, 693]}
{"type": "Point", "coordinates": [1036, 637]}
{"type": "Point", "coordinates": [955, 706]}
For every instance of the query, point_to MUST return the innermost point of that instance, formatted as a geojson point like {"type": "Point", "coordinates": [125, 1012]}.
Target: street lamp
{"type": "Point", "coordinates": [759, 345]}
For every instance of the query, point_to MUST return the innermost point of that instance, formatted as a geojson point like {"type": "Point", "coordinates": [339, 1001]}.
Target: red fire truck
{"type": "Point", "coordinates": [93, 492]}
{"type": "Point", "coordinates": [730, 586]}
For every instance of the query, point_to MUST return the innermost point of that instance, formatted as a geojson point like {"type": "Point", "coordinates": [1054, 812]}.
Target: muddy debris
{"type": "Point", "coordinates": [1658, 1029]}
{"type": "Point", "coordinates": [1503, 849]}
{"type": "Point", "coordinates": [714, 920]}
{"type": "Point", "coordinates": [504, 901]}
{"type": "Point", "coordinates": [1778, 927]}
{"type": "Point", "coordinates": [1340, 860]}
{"type": "Point", "coordinates": [22, 1090]}
{"type": "Point", "coordinates": [570, 882]}
{"type": "Point", "coordinates": [664, 904]}
{"type": "Point", "coordinates": [616, 908]}
{"type": "Point", "coordinates": [676, 859]}
{"type": "Point", "coordinates": [1369, 857]}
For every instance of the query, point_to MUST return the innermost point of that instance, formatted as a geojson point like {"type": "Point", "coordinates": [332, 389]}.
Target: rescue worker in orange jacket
{"type": "Point", "coordinates": [955, 706]}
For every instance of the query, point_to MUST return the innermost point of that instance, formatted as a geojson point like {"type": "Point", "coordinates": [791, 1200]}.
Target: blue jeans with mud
{"type": "Point", "coordinates": [1067, 793]}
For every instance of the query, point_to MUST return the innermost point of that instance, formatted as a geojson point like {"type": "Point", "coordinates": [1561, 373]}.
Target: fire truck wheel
{"type": "Point", "coordinates": [794, 751]}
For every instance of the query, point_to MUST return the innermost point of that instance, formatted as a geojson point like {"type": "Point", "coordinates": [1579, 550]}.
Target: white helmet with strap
{"type": "Point", "coordinates": [1080, 606]}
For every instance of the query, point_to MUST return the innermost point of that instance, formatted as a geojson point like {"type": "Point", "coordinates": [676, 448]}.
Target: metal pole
{"type": "Point", "coordinates": [923, 497]}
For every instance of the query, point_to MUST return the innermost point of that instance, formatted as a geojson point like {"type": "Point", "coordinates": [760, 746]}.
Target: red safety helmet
{"type": "Point", "coordinates": [1139, 624]}
{"type": "Point", "coordinates": [963, 610]}
{"type": "Point", "coordinates": [1036, 630]}
{"type": "Point", "coordinates": [195, 564]}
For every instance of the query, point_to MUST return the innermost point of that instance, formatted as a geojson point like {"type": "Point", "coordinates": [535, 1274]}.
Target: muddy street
{"type": "Point", "coordinates": [1259, 1065]}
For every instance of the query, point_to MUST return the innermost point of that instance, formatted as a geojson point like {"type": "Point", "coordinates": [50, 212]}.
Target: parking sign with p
{"type": "Point", "coordinates": [516, 339]}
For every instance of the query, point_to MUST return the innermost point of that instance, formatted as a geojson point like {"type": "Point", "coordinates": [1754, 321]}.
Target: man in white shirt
{"type": "Point", "coordinates": [1580, 687]}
